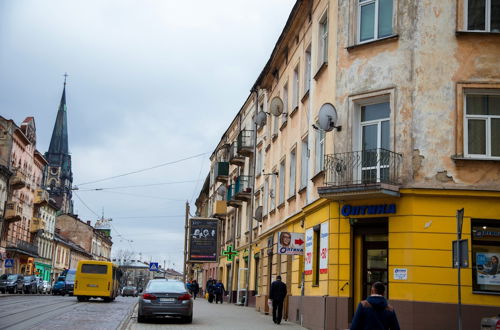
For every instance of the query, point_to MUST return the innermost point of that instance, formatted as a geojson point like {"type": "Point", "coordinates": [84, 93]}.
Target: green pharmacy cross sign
{"type": "Point", "coordinates": [230, 253]}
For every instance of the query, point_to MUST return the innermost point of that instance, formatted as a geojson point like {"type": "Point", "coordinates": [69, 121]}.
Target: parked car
{"type": "Point", "coordinates": [70, 281]}
{"type": "Point", "coordinates": [39, 284]}
{"type": "Point", "coordinates": [490, 323]}
{"type": "Point", "coordinates": [59, 286]}
{"type": "Point", "coordinates": [163, 297]}
{"type": "Point", "coordinates": [11, 283]}
{"type": "Point", "coordinates": [30, 284]}
{"type": "Point", "coordinates": [129, 291]}
{"type": "Point", "coordinates": [46, 287]}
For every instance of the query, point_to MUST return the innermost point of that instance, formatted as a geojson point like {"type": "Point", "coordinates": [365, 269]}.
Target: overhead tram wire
{"type": "Point", "coordinates": [140, 185]}
{"type": "Point", "coordinates": [85, 204]}
{"type": "Point", "coordinates": [144, 169]}
{"type": "Point", "coordinates": [139, 195]}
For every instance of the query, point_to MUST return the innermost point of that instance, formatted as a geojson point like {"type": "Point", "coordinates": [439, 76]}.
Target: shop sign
{"type": "Point", "coordinates": [401, 274]}
{"type": "Point", "coordinates": [309, 249]}
{"type": "Point", "coordinates": [489, 234]}
{"type": "Point", "coordinates": [323, 247]}
{"type": "Point", "coordinates": [290, 243]}
{"type": "Point", "coordinates": [487, 268]}
{"type": "Point", "coordinates": [203, 237]}
{"type": "Point", "coordinates": [349, 210]}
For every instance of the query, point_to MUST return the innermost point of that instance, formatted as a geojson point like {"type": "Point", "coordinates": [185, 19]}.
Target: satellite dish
{"type": "Point", "coordinates": [277, 106]}
{"type": "Point", "coordinates": [222, 190]}
{"type": "Point", "coordinates": [328, 117]}
{"type": "Point", "coordinates": [258, 214]}
{"type": "Point", "coordinates": [261, 119]}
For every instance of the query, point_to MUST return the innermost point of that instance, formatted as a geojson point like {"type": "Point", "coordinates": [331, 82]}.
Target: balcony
{"type": "Point", "coordinates": [18, 180]}
{"type": "Point", "coordinates": [234, 157]}
{"type": "Point", "coordinates": [245, 142]}
{"type": "Point", "coordinates": [37, 224]}
{"type": "Point", "coordinates": [23, 247]}
{"type": "Point", "coordinates": [220, 208]}
{"type": "Point", "coordinates": [41, 197]}
{"type": "Point", "coordinates": [363, 174]}
{"type": "Point", "coordinates": [243, 188]}
{"type": "Point", "coordinates": [13, 211]}
{"type": "Point", "coordinates": [231, 197]}
{"type": "Point", "coordinates": [221, 171]}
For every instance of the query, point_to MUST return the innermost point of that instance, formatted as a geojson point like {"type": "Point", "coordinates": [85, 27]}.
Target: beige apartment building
{"type": "Point", "coordinates": [416, 90]}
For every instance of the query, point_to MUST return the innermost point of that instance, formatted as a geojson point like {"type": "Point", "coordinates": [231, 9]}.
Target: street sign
{"type": "Point", "coordinates": [460, 221]}
{"type": "Point", "coordinates": [153, 266]}
{"type": "Point", "coordinates": [9, 263]}
{"type": "Point", "coordinates": [464, 254]}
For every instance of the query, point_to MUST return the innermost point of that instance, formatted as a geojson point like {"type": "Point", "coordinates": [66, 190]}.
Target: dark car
{"type": "Point", "coordinates": [59, 286]}
{"type": "Point", "coordinates": [129, 291]}
{"type": "Point", "coordinates": [30, 284]}
{"type": "Point", "coordinates": [164, 297]}
{"type": "Point", "coordinates": [12, 283]}
{"type": "Point", "coordinates": [70, 281]}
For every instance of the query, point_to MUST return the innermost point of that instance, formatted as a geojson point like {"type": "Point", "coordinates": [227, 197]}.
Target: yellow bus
{"type": "Point", "coordinates": [96, 279]}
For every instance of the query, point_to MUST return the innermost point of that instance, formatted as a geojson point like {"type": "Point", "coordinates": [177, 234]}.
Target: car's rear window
{"type": "Point", "coordinates": [94, 269]}
{"type": "Point", "coordinates": [166, 286]}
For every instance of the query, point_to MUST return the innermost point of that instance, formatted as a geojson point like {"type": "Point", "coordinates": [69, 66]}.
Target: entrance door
{"type": "Point", "coordinates": [374, 262]}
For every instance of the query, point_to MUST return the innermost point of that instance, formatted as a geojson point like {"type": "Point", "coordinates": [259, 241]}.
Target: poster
{"type": "Point", "coordinates": [487, 268]}
{"type": "Point", "coordinates": [203, 239]}
{"type": "Point", "coordinates": [323, 248]}
{"type": "Point", "coordinates": [290, 243]}
{"type": "Point", "coordinates": [308, 261]}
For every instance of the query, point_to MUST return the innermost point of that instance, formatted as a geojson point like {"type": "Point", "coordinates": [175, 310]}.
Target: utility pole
{"type": "Point", "coordinates": [252, 199]}
{"type": "Point", "coordinates": [460, 219]}
{"type": "Point", "coordinates": [186, 233]}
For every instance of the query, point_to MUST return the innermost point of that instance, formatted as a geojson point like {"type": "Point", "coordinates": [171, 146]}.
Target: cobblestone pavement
{"type": "Point", "coordinates": [217, 316]}
{"type": "Point", "coordinates": [58, 313]}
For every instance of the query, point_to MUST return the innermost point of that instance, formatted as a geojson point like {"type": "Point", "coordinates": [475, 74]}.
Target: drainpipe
{"type": "Point", "coordinates": [252, 200]}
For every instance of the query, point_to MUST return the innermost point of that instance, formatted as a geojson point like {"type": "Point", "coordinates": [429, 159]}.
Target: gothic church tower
{"type": "Point", "coordinates": [58, 175]}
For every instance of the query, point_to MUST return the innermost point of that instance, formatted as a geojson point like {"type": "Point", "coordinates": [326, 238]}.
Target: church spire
{"type": "Point", "coordinates": [59, 140]}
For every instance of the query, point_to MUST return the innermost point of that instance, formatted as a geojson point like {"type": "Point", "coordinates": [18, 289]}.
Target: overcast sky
{"type": "Point", "coordinates": [150, 81]}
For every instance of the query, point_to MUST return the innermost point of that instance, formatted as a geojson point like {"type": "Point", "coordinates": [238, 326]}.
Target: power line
{"type": "Point", "coordinates": [150, 216]}
{"type": "Point", "coordinates": [142, 185]}
{"type": "Point", "coordinates": [84, 204]}
{"type": "Point", "coordinates": [139, 195]}
{"type": "Point", "coordinates": [145, 169]}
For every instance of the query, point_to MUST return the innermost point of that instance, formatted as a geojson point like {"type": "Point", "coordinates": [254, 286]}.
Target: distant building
{"type": "Point", "coordinates": [58, 177]}
{"type": "Point", "coordinates": [43, 227]}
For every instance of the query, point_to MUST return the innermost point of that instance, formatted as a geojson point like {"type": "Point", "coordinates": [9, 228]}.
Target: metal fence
{"type": "Point", "coordinates": [363, 168]}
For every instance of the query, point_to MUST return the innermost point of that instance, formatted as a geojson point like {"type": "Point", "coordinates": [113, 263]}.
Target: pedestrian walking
{"type": "Point", "coordinates": [210, 290]}
{"type": "Point", "coordinates": [277, 295]}
{"type": "Point", "coordinates": [195, 288]}
{"type": "Point", "coordinates": [375, 313]}
{"type": "Point", "coordinates": [219, 291]}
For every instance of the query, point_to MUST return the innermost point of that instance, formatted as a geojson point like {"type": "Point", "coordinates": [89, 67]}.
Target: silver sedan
{"type": "Point", "coordinates": [165, 298]}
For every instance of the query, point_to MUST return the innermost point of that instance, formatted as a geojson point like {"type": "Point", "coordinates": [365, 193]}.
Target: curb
{"type": "Point", "coordinates": [125, 323]}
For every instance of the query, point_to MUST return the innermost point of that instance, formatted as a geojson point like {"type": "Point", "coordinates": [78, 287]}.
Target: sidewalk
{"type": "Point", "coordinates": [220, 317]}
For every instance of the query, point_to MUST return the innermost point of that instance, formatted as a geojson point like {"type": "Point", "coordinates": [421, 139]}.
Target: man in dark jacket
{"type": "Point", "coordinates": [374, 313]}
{"type": "Point", "coordinates": [219, 291]}
{"type": "Point", "coordinates": [277, 295]}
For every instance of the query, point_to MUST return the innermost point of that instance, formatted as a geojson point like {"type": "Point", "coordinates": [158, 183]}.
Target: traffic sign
{"type": "Point", "coordinates": [153, 266]}
{"type": "Point", "coordinates": [463, 246]}
{"type": "Point", "coordinates": [9, 263]}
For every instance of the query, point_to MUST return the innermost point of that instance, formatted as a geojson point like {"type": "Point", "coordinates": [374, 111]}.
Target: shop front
{"type": "Point", "coordinates": [43, 269]}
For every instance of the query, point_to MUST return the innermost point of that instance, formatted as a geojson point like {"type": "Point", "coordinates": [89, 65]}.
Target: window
{"type": "Point", "coordinates": [272, 193]}
{"type": "Point", "coordinates": [323, 40]}
{"type": "Point", "coordinates": [483, 15]}
{"type": "Point", "coordinates": [316, 240]}
{"type": "Point", "coordinates": [374, 19]}
{"type": "Point", "coordinates": [258, 161]}
{"type": "Point", "coordinates": [282, 183]}
{"type": "Point", "coordinates": [320, 150]}
{"type": "Point", "coordinates": [265, 196]}
{"type": "Point", "coordinates": [304, 163]}
{"type": "Point", "coordinates": [485, 255]}
{"type": "Point", "coordinates": [482, 125]}
{"type": "Point", "coordinates": [94, 269]}
{"type": "Point", "coordinates": [285, 104]}
{"type": "Point", "coordinates": [307, 70]}
{"type": "Point", "coordinates": [295, 100]}
{"type": "Point", "coordinates": [276, 125]}
{"type": "Point", "coordinates": [293, 173]}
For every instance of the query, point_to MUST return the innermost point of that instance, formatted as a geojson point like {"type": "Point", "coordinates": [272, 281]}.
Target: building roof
{"type": "Point", "coordinates": [59, 140]}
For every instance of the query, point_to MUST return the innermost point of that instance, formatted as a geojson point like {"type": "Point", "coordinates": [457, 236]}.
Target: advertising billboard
{"type": "Point", "coordinates": [290, 243]}
{"type": "Point", "coordinates": [203, 234]}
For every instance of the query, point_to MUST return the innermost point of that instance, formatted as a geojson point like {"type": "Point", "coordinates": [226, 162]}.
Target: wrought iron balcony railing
{"type": "Point", "coordinates": [363, 168]}
{"type": "Point", "coordinates": [234, 157]}
{"type": "Point", "coordinates": [243, 187]}
{"type": "Point", "coordinates": [245, 142]}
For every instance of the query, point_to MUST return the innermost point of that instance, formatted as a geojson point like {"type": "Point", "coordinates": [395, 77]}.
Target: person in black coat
{"type": "Point", "coordinates": [374, 313]}
{"type": "Point", "coordinates": [195, 288]}
{"type": "Point", "coordinates": [277, 295]}
{"type": "Point", "coordinates": [210, 290]}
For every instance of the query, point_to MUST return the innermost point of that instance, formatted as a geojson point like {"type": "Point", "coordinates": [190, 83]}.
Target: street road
{"type": "Point", "coordinates": [219, 317]}
{"type": "Point", "coordinates": [46, 312]}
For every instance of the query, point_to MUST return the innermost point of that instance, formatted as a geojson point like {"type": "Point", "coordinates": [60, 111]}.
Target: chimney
{"type": "Point", "coordinates": [88, 222]}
